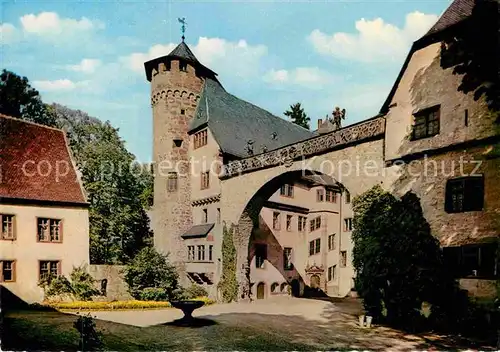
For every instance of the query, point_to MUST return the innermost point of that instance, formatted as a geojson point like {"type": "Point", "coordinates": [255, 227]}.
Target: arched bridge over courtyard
{"type": "Point", "coordinates": [353, 156]}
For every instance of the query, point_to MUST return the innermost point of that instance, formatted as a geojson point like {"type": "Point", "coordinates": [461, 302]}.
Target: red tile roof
{"type": "Point", "coordinates": [36, 164]}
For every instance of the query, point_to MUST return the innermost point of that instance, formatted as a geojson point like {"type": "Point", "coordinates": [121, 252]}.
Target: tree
{"type": "Point", "coordinates": [228, 285]}
{"type": "Point", "coordinates": [297, 115]}
{"type": "Point", "coordinates": [474, 53]}
{"type": "Point", "coordinates": [398, 262]}
{"type": "Point", "coordinates": [119, 225]}
{"type": "Point", "coordinates": [150, 276]}
{"type": "Point", "coordinates": [19, 99]}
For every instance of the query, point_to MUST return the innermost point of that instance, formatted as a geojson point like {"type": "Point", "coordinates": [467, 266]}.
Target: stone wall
{"type": "Point", "coordinates": [174, 98]}
{"type": "Point", "coordinates": [116, 288]}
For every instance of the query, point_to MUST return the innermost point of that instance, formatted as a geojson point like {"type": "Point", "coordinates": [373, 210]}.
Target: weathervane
{"type": "Point", "coordinates": [183, 28]}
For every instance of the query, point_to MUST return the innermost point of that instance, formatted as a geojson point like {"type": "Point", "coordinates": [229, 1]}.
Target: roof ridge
{"type": "Point", "coordinates": [32, 123]}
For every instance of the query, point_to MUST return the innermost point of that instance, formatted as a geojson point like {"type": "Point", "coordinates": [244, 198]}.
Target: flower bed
{"type": "Point", "coordinates": [116, 305]}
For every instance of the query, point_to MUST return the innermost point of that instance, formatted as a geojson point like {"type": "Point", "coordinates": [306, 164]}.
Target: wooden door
{"type": "Point", "coordinates": [261, 290]}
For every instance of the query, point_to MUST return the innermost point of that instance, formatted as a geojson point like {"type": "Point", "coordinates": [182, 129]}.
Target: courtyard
{"type": "Point", "coordinates": [281, 323]}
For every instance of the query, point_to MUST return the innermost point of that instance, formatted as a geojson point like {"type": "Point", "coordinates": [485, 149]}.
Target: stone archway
{"type": "Point", "coordinates": [249, 221]}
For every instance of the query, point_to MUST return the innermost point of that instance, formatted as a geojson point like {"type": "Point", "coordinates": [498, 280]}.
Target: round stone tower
{"type": "Point", "coordinates": [176, 83]}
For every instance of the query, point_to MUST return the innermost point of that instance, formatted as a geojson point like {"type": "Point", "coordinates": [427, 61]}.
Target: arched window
{"type": "Point", "coordinates": [275, 287]}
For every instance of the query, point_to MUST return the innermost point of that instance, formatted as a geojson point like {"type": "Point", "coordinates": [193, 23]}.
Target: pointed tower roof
{"type": "Point", "coordinates": [181, 52]}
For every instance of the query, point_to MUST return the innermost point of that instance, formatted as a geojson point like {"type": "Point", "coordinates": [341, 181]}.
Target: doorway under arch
{"type": "Point", "coordinates": [261, 290]}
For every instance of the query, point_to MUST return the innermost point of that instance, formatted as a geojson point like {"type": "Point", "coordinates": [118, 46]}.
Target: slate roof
{"type": "Point", "coordinates": [456, 12]}
{"type": "Point", "coordinates": [198, 231]}
{"type": "Point", "coordinates": [182, 51]}
{"type": "Point", "coordinates": [24, 146]}
{"type": "Point", "coordinates": [234, 121]}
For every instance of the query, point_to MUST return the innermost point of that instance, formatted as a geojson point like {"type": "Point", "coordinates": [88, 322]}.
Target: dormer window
{"type": "Point", "coordinates": [426, 123]}
{"type": "Point", "coordinates": [183, 66]}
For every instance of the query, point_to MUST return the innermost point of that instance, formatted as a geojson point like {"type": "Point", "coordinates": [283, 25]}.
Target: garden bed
{"type": "Point", "coordinates": [116, 305]}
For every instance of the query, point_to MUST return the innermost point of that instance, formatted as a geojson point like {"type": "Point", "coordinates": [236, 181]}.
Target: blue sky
{"type": "Point", "coordinates": [88, 55]}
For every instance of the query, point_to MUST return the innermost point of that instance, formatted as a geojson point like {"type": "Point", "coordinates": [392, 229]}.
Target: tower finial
{"type": "Point", "coordinates": [183, 27]}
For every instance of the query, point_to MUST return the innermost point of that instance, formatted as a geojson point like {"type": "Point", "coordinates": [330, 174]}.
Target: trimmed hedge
{"type": "Point", "coordinates": [117, 305]}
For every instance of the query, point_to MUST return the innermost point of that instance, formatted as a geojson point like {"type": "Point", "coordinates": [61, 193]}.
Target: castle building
{"type": "Point", "coordinates": [43, 210]}
{"type": "Point", "coordinates": [213, 152]}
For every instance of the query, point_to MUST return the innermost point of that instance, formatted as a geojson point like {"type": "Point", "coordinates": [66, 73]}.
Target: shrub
{"type": "Point", "coordinates": [90, 338]}
{"type": "Point", "coordinates": [398, 262]}
{"type": "Point", "coordinates": [194, 291]}
{"type": "Point", "coordinates": [153, 294]}
{"type": "Point", "coordinates": [152, 270]}
{"type": "Point", "coordinates": [117, 305]}
{"type": "Point", "coordinates": [83, 284]}
{"type": "Point", "coordinates": [228, 283]}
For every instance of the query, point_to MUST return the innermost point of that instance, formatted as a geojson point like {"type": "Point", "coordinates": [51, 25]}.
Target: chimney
{"type": "Point", "coordinates": [320, 121]}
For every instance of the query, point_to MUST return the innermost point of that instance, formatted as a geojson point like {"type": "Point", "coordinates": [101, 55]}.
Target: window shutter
{"type": "Point", "coordinates": [448, 197]}
{"type": "Point", "coordinates": [60, 231]}
{"type": "Point", "coordinates": [474, 193]}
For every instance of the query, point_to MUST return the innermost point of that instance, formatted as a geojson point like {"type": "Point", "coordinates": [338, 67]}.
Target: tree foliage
{"type": "Point", "coordinates": [297, 115]}
{"type": "Point", "coordinates": [398, 262]}
{"type": "Point", "coordinates": [119, 225]}
{"type": "Point", "coordinates": [228, 285]}
{"type": "Point", "coordinates": [19, 99]}
{"type": "Point", "coordinates": [474, 53]}
{"type": "Point", "coordinates": [150, 276]}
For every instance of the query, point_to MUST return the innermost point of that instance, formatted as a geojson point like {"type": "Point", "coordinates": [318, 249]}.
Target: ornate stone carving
{"type": "Point", "coordinates": [312, 146]}
{"type": "Point", "coordinates": [207, 200]}
{"type": "Point", "coordinates": [161, 93]}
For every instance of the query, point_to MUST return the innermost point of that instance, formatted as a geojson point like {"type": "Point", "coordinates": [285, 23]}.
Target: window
{"type": "Point", "coordinates": [474, 260]}
{"type": "Point", "coordinates": [287, 259]}
{"type": "Point", "coordinates": [205, 180]}
{"type": "Point", "coordinates": [204, 218]}
{"type": "Point", "coordinates": [49, 268]}
{"type": "Point", "coordinates": [301, 223]}
{"type": "Point", "coordinates": [320, 193]}
{"type": "Point", "coordinates": [331, 242]}
{"type": "Point", "coordinates": [200, 139]}
{"type": "Point", "coordinates": [191, 253]}
{"type": "Point", "coordinates": [347, 197]}
{"type": "Point", "coordinates": [289, 222]}
{"type": "Point", "coordinates": [426, 123]}
{"type": "Point", "coordinates": [464, 194]}
{"type": "Point", "coordinates": [466, 118]}
{"type": "Point", "coordinates": [348, 224]}
{"type": "Point", "coordinates": [315, 224]}
{"type": "Point", "coordinates": [183, 112]}
{"type": "Point", "coordinates": [7, 271]}
{"type": "Point", "coordinates": [331, 273]}
{"type": "Point", "coordinates": [260, 255]}
{"type": "Point", "coordinates": [183, 66]}
{"type": "Point", "coordinates": [331, 196]}
{"type": "Point", "coordinates": [201, 253]}
{"type": "Point", "coordinates": [218, 215]}
{"type": "Point", "coordinates": [210, 253]}
{"type": "Point", "coordinates": [8, 232]}
{"type": "Point", "coordinates": [172, 182]}
{"type": "Point", "coordinates": [276, 220]}
{"type": "Point", "coordinates": [286, 190]}
{"type": "Point", "coordinates": [315, 246]}
{"type": "Point", "coordinates": [343, 258]}
{"type": "Point", "coordinates": [49, 230]}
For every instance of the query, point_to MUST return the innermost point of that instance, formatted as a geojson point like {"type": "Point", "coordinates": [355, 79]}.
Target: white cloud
{"type": "Point", "coordinates": [136, 61]}
{"type": "Point", "coordinates": [222, 56]}
{"type": "Point", "coordinates": [375, 40]}
{"type": "Point", "coordinates": [310, 77]}
{"type": "Point", "coordinates": [8, 33]}
{"type": "Point", "coordinates": [85, 66]}
{"type": "Point", "coordinates": [49, 24]}
{"type": "Point", "coordinates": [59, 85]}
